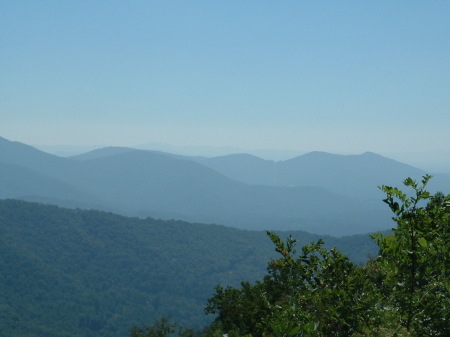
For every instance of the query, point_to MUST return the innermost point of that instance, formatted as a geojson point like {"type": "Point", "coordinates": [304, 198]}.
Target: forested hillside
{"type": "Point", "coordinates": [71, 272]}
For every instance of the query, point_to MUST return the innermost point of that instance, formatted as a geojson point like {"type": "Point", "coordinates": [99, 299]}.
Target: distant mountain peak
{"type": "Point", "coordinates": [371, 154]}
{"type": "Point", "coordinates": [103, 152]}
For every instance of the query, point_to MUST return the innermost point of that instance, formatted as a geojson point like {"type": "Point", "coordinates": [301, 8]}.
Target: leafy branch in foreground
{"type": "Point", "coordinates": [320, 292]}
{"type": "Point", "coordinates": [404, 291]}
{"type": "Point", "coordinates": [416, 258]}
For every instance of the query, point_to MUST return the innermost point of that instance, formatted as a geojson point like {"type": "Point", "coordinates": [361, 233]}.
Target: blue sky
{"type": "Point", "coordinates": [336, 76]}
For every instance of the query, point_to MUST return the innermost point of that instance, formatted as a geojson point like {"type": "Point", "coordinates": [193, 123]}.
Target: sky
{"type": "Point", "coordinates": [336, 76]}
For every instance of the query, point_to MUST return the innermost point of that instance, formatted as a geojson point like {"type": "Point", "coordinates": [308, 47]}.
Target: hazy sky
{"type": "Point", "coordinates": [336, 76]}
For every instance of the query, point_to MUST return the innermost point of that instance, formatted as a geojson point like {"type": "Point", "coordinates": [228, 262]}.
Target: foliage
{"type": "Point", "coordinates": [318, 293]}
{"type": "Point", "coordinates": [405, 291]}
{"type": "Point", "coordinates": [416, 259]}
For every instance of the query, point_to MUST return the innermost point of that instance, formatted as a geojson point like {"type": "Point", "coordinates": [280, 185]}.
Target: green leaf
{"type": "Point", "coordinates": [423, 242]}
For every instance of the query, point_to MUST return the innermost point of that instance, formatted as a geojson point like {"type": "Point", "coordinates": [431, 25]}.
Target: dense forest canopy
{"type": "Point", "coordinates": [72, 272]}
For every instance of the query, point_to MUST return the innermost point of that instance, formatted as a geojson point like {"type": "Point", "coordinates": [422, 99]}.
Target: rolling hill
{"type": "Point", "coordinates": [350, 175]}
{"type": "Point", "coordinates": [317, 192]}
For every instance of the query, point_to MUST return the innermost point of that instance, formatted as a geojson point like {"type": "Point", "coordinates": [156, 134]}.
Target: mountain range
{"type": "Point", "coordinates": [316, 192]}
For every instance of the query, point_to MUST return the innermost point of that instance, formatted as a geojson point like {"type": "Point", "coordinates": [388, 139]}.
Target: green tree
{"type": "Point", "coordinates": [318, 292]}
{"type": "Point", "coordinates": [416, 259]}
